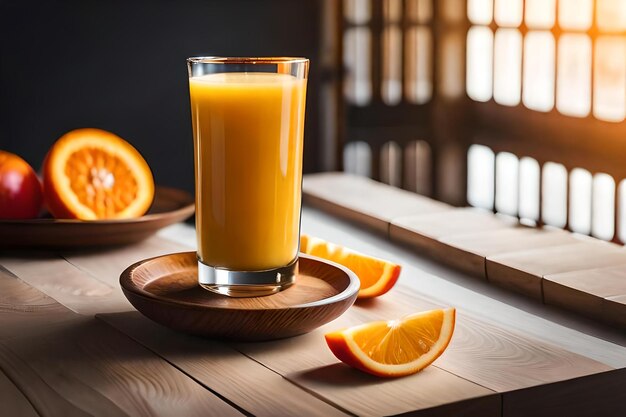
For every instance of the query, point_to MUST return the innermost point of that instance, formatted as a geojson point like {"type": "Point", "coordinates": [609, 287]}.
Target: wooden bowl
{"type": "Point", "coordinates": [165, 289]}
{"type": "Point", "coordinates": [170, 206]}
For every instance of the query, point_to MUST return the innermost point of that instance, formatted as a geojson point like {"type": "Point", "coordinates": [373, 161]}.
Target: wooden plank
{"type": "Point", "coordinates": [468, 252]}
{"type": "Point", "coordinates": [14, 403]}
{"type": "Point", "coordinates": [307, 362]}
{"type": "Point", "coordinates": [68, 364]}
{"type": "Point", "coordinates": [523, 271]}
{"type": "Point", "coordinates": [585, 291]}
{"type": "Point", "coordinates": [596, 395]}
{"type": "Point", "coordinates": [107, 265]}
{"type": "Point", "coordinates": [224, 370]}
{"type": "Point", "coordinates": [614, 310]}
{"type": "Point", "coordinates": [424, 232]}
{"type": "Point", "coordinates": [20, 303]}
{"type": "Point", "coordinates": [522, 361]}
{"type": "Point", "coordinates": [86, 282]}
{"type": "Point", "coordinates": [87, 368]}
{"type": "Point", "coordinates": [257, 378]}
{"type": "Point", "coordinates": [70, 286]}
{"type": "Point", "coordinates": [363, 200]}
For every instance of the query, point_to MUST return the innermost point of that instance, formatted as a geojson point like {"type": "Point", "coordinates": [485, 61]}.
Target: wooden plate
{"type": "Point", "coordinates": [165, 289]}
{"type": "Point", "coordinates": [170, 206]}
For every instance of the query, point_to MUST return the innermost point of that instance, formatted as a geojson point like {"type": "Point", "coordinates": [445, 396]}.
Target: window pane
{"type": "Point", "coordinates": [480, 12]}
{"type": "Point", "coordinates": [356, 55]}
{"type": "Point", "coordinates": [603, 220]}
{"type": "Point", "coordinates": [580, 201]}
{"type": "Point", "coordinates": [391, 86]}
{"type": "Point", "coordinates": [573, 94]}
{"type": "Point", "coordinates": [357, 11]}
{"type": "Point", "coordinates": [392, 10]}
{"type": "Point", "coordinates": [479, 77]}
{"type": "Point", "coordinates": [506, 183]}
{"type": "Point", "coordinates": [609, 84]}
{"type": "Point", "coordinates": [508, 12]}
{"type": "Point", "coordinates": [529, 188]}
{"type": "Point", "coordinates": [418, 65]}
{"type": "Point", "coordinates": [391, 164]}
{"type": "Point", "coordinates": [453, 11]}
{"type": "Point", "coordinates": [452, 64]}
{"type": "Point", "coordinates": [540, 14]}
{"type": "Point", "coordinates": [507, 67]}
{"type": "Point", "coordinates": [611, 15]}
{"type": "Point", "coordinates": [622, 211]}
{"type": "Point", "coordinates": [554, 194]}
{"type": "Point", "coordinates": [357, 158]}
{"type": "Point", "coordinates": [538, 86]}
{"type": "Point", "coordinates": [418, 167]}
{"type": "Point", "coordinates": [480, 176]}
{"type": "Point", "coordinates": [575, 14]}
{"type": "Point", "coordinates": [420, 11]}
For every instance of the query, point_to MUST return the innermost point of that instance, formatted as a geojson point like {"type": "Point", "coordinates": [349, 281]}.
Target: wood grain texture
{"type": "Point", "coordinates": [489, 355]}
{"type": "Point", "coordinates": [523, 271]}
{"type": "Point", "coordinates": [14, 403]}
{"type": "Point", "coordinates": [68, 364]}
{"type": "Point", "coordinates": [166, 290]}
{"type": "Point", "coordinates": [479, 245]}
{"type": "Point", "coordinates": [308, 363]}
{"type": "Point", "coordinates": [424, 232]}
{"type": "Point", "coordinates": [67, 284]}
{"type": "Point", "coordinates": [170, 206]}
{"type": "Point", "coordinates": [87, 368]}
{"type": "Point", "coordinates": [363, 200]}
{"type": "Point", "coordinates": [85, 281]}
{"type": "Point", "coordinates": [25, 310]}
{"type": "Point", "coordinates": [224, 370]}
{"type": "Point", "coordinates": [468, 252]}
{"type": "Point", "coordinates": [106, 265]}
{"type": "Point", "coordinates": [585, 291]}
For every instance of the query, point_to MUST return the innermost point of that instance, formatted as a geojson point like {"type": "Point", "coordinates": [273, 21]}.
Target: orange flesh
{"type": "Point", "coordinates": [101, 181]}
{"type": "Point", "coordinates": [397, 347]}
{"type": "Point", "coordinates": [92, 174]}
{"type": "Point", "coordinates": [391, 344]}
{"type": "Point", "coordinates": [377, 276]}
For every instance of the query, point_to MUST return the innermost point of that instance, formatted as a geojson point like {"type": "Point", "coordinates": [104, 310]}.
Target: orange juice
{"type": "Point", "coordinates": [248, 132]}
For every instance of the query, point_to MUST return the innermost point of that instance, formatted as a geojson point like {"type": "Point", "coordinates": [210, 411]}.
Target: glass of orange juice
{"type": "Point", "coordinates": [248, 126]}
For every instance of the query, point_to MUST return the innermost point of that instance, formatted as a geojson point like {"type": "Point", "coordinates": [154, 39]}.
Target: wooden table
{"type": "Point", "coordinates": [70, 344]}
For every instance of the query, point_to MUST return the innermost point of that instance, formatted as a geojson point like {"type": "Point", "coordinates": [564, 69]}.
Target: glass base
{"type": "Point", "coordinates": [247, 283]}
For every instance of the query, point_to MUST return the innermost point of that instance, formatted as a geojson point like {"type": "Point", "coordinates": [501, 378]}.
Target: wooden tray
{"type": "Point", "coordinates": [170, 206]}
{"type": "Point", "coordinates": [165, 289]}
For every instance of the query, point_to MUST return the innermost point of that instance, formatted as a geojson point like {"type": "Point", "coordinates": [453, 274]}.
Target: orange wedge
{"type": "Point", "coordinates": [92, 174]}
{"type": "Point", "coordinates": [377, 276]}
{"type": "Point", "coordinates": [397, 347]}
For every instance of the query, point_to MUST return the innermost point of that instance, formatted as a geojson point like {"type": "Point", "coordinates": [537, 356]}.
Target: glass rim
{"type": "Point", "coordinates": [246, 60]}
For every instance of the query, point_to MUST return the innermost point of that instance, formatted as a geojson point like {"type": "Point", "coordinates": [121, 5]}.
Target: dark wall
{"type": "Point", "coordinates": [120, 66]}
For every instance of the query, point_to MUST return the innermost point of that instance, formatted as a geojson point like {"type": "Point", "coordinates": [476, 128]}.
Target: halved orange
{"type": "Point", "coordinates": [397, 347]}
{"type": "Point", "coordinates": [377, 276]}
{"type": "Point", "coordinates": [92, 174]}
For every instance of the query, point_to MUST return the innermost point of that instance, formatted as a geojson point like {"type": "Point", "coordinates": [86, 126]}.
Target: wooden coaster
{"type": "Point", "coordinates": [165, 289]}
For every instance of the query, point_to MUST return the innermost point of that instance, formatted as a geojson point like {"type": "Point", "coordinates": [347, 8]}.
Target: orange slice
{"type": "Point", "coordinates": [92, 174]}
{"type": "Point", "coordinates": [397, 347]}
{"type": "Point", "coordinates": [377, 276]}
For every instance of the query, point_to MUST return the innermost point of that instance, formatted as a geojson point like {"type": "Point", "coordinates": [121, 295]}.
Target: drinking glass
{"type": "Point", "coordinates": [248, 126]}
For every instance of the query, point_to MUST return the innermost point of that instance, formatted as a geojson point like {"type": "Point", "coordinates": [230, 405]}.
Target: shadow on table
{"type": "Point", "coordinates": [336, 374]}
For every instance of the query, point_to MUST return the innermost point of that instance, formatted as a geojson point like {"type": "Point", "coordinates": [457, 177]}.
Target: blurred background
{"type": "Point", "coordinates": [120, 66]}
{"type": "Point", "coordinates": [515, 106]}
